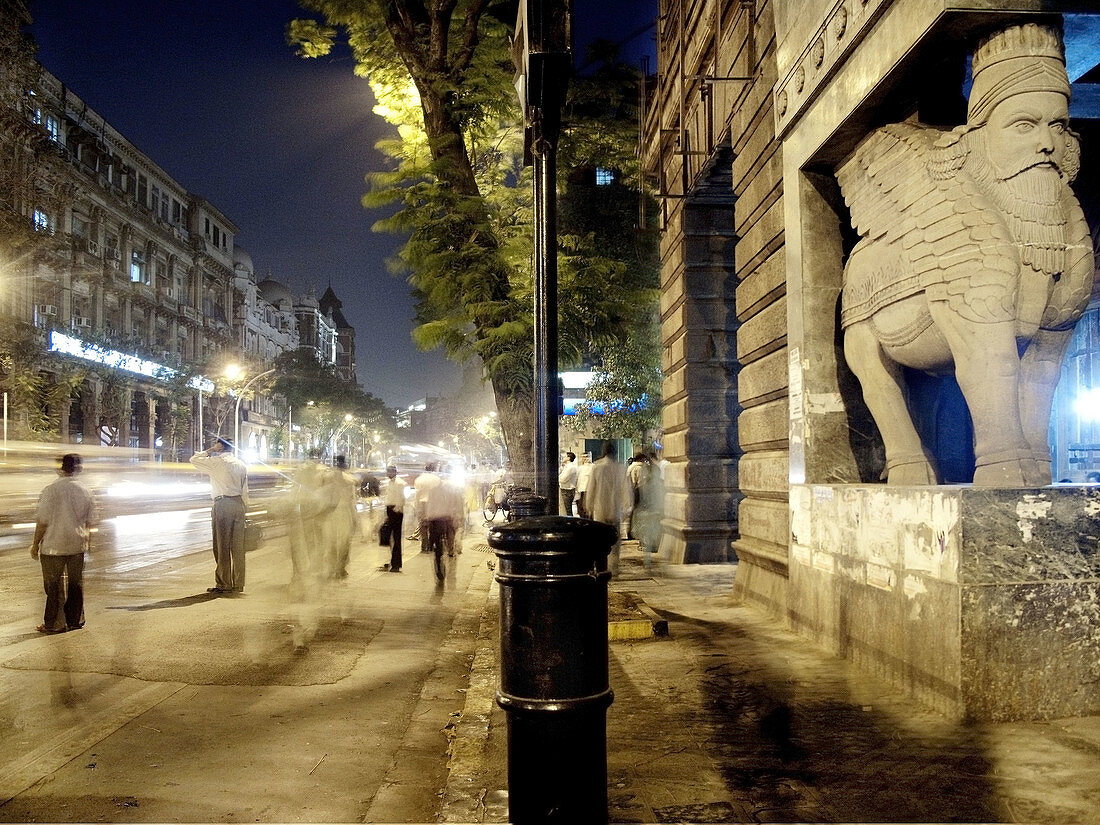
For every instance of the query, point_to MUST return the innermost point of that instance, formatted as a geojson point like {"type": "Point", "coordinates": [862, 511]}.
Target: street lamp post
{"type": "Point", "coordinates": [237, 410]}
{"type": "Point", "coordinates": [542, 53]}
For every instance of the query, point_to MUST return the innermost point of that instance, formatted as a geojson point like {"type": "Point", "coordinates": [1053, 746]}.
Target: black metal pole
{"type": "Point", "coordinates": [547, 404]}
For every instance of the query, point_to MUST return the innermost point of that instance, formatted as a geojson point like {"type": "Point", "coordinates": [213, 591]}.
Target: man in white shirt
{"type": "Point", "coordinates": [567, 482]}
{"type": "Point", "coordinates": [395, 516]}
{"type": "Point", "coordinates": [66, 510]}
{"type": "Point", "coordinates": [608, 497]}
{"type": "Point", "coordinates": [584, 472]}
{"type": "Point", "coordinates": [229, 490]}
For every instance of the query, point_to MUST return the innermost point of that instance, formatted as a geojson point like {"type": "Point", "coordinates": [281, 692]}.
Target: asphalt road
{"type": "Point", "coordinates": [323, 705]}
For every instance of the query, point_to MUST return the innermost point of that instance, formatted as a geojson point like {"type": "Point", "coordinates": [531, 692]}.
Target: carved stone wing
{"type": "Point", "coordinates": [922, 231]}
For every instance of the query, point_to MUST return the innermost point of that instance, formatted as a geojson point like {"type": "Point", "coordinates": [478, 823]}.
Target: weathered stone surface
{"type": "Point", "coordinates": [764, 471]}
{"type": "Point", "coordinates": [980, 603]}
{"type": "Point", "coordinates": [761, 286]}
{"type": "Point", "coordinates": [758, 336]}
{"type": "Point", "coordinates": [763, 380]}
{"type": "Point", "coordinates": [765, 426]}
{"type": "Point", "coordinates": [766, 521]}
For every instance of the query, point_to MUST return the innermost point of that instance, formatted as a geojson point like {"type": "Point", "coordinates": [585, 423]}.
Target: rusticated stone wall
{"type": "Point", "coordinates": [711, 144]}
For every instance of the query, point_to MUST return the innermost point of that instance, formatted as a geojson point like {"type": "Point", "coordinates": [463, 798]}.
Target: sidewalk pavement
{"type": "Point", "coordinates": [731, 718]}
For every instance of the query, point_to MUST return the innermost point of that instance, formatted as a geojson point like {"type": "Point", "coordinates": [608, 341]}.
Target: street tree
{"type": "Point", "coordinates": [623, 399]}
{"type": "Point", "coordinates": [324, 404]}
{"type": "Point", "coordinates": [442, 75]}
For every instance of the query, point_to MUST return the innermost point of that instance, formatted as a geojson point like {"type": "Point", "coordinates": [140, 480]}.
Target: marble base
{"type": "Point", "coordinates": [981, 603]}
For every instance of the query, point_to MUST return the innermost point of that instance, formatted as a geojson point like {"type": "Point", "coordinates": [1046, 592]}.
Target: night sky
{"type": "Point", "coordinates": [209, 90]}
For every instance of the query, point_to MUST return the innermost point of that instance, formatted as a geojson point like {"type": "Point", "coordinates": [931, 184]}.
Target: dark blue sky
{"type": "Point", "coordinates": [211, 92]}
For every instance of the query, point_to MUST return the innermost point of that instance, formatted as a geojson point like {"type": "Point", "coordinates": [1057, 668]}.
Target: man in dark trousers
{"type": "Point", "coordinates": [66, 510]}
{"type": "Point", "coordinates": [395, 516]}
{"type": "Point", "coordinates": [229, 489]}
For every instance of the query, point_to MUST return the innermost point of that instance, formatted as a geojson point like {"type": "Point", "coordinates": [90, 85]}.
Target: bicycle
{"type": "Point", "coordinates": [491, 506]}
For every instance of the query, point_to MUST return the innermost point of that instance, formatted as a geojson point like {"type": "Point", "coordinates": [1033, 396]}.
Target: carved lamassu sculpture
{"type": "Point", "coordinates": [974, 257]}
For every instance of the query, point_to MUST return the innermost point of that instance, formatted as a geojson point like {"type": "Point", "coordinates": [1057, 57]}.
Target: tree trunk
{"type": "Point", "coordinates": [516, 413]}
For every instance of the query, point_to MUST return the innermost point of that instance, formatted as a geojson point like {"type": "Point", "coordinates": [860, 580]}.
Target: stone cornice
{"type": "Point", "coordinates": [842, 27]}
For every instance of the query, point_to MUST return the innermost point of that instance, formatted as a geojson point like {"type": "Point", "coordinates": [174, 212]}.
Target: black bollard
{"type": "Point", "coordinates": [525, 504]}
{"type": "Point", "coordinates": [553, 666]}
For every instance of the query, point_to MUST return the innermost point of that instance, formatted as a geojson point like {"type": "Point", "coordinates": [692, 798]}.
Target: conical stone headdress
{"type": "Point", "coordinates": [1027, 58]}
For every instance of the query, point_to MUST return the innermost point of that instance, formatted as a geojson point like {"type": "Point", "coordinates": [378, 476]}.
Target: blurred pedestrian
{"type": "Point", "coordinates": [567, 482]}
{"type": "Point", "coordinates": [453, 503]}
{"type": "Point", "coordinates": [395, 515]}
{"type": "Point", "coordinates": [340, 491]}
{"type": "Point", "coordinates": [584, 472]}
{"type": "Point", "coordinates": [425, 483]}
{"type": "Point", "coordinates": [608, 496]}
{"type": "Point", "coordinates": [229, 490]}
{"type": "Point", "coordinates": [435, 509]}
{"type": "Point", "coordinates": [635, 472]}
{"type": "Point", "coordinates": [66, 512]}
{"type": "Point", "coordinates": [649, 510]}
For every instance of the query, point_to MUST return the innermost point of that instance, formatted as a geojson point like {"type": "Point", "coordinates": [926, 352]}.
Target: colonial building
{"type": "Point", "coordinates": [316, 328]}
{"type": "Point", "coordinates": [130, 277]}
{"type": "Point", "coordinates": [267, 328]}
{"type": "Point", "coordinates": [774, 459]}
{"type": "Point", "coordinates": [332, 307]}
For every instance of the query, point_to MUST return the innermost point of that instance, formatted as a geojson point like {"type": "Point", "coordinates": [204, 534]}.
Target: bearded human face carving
{"type": "Point", "coordinates": [974, 259]}
{"type": "Point", "coordinates": [1027, 131]}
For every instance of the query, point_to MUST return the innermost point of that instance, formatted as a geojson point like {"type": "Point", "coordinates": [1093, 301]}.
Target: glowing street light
{"type": "Point", "coordinates": [233, 372]}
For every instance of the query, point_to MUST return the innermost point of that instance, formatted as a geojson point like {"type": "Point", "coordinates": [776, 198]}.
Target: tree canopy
{"type": "Point", "coordinates": [442, 74]}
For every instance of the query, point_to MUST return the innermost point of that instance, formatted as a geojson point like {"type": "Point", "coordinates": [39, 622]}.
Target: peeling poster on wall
{"type": "Point", "coordinates": [794, 384]}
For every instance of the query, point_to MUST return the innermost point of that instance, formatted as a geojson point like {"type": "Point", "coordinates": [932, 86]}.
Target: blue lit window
{"type": "Point", "coordinates": [137, 267]}
{"type": "Point", "coordinates": [604, 177]}
{"type": "Point", "coordinates": [42, 222]}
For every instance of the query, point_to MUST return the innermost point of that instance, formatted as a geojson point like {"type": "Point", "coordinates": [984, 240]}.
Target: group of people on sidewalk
{"type": "Point", "coordinates": [321, 513]}
{"type": "Point", "coordinates": [608, 492]}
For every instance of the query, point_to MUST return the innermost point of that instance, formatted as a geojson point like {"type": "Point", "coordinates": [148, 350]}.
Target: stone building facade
{"type": "Point", "coordinates": [772, 452]}
{"type": "Point", "coordinates": [130, 267]}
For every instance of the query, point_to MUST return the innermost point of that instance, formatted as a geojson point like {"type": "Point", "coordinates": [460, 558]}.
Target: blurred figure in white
{"type": "Point", "coordinates": [584, 472]}
{"type": "Point", "coordinates": [453, 503]}
{"type": "Point", "coordinates": [341, 492]}
{"type": "Point", "coordinates": [425, 483]}
{"type": "Point", "coordinates": [639, 467]}
{"type": "Point", "coordinates": [66, 511]}
{"type": "Point", "coordinates": [649, 510]}
{"type": "Point", "coordinates": [608, 496]}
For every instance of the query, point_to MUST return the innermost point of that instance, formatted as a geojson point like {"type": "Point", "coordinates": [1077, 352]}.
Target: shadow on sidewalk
{"type": "Point", "coordinates": [795, 740]}
{"type": "Point", "coordinates": [183, 601]}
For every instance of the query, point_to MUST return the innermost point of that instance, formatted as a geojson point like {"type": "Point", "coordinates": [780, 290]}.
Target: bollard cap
{"type": "Point", "coordinates": [541, 535]}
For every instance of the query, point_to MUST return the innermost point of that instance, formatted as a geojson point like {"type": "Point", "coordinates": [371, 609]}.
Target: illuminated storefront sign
{"type": "Point", "coordinates": [66, 344]}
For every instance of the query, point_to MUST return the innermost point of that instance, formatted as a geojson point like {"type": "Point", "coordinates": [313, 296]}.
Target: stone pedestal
{"type": "Point", "coordinates": [981, 603]}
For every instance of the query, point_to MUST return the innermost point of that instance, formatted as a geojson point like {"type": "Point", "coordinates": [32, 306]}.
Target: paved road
{"type": "Point", "coordinates": [173, 705]}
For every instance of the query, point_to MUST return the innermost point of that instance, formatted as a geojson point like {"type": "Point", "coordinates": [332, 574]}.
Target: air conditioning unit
{"type": "Point", "coordinates": [91, 247]}
{"type": "Point", "coordinates": [81, 321]}
{"type": "Point", "coordinates": [47, 309]}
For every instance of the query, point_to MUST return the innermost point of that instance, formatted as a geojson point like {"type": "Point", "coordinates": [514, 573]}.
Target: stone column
{"type": "Point", "coordinates": [698, 328]}
{"type": "Point", "coordinates": [89, 399]}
